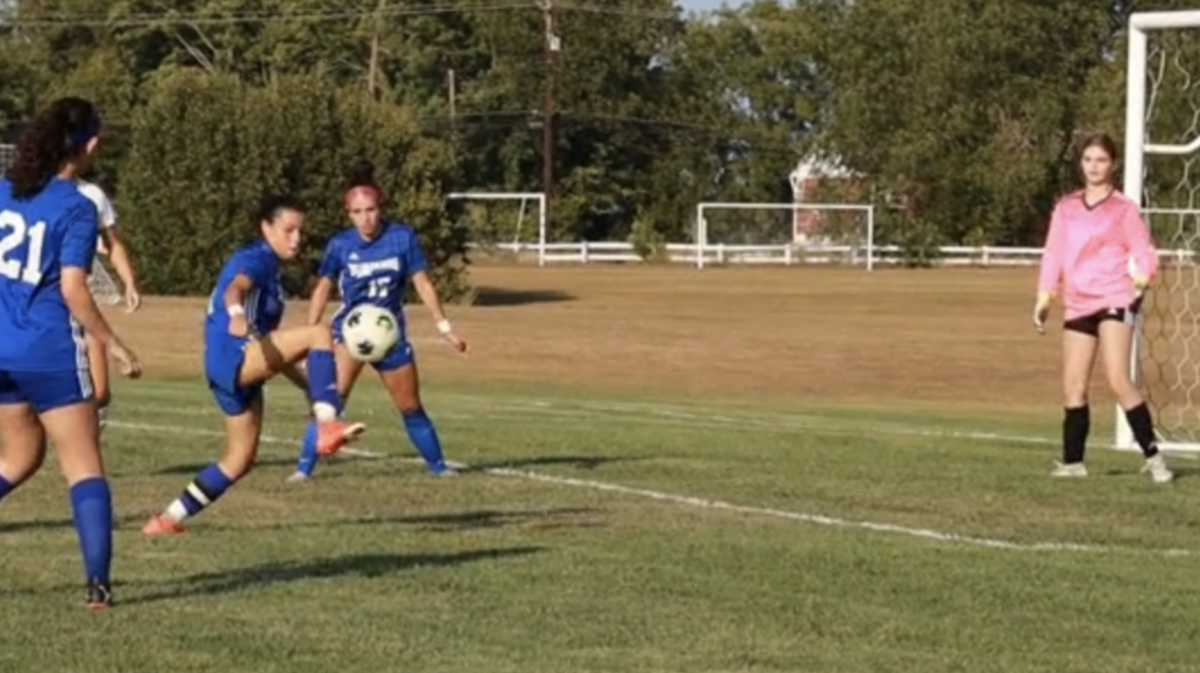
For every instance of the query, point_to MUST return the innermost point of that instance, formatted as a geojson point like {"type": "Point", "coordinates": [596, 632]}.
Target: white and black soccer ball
{"type": "Point", "coordinates": [370, 332]}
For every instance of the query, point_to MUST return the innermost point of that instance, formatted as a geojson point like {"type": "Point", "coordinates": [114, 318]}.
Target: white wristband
{"type": "Point", "coordinates": [237, 310]}
{"type": "Point", "coordinates": [443, 326]}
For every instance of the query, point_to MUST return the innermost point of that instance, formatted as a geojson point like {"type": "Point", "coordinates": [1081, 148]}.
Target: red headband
{"type": "Point", "coordinates": [361, 190]}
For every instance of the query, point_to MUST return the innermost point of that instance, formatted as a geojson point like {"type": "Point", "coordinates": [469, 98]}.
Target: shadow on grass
{"type": "Point", "coordinates": [444, 522]}
{"type": "Point", "coordinates": [580, 462]}
{"type": "Point", "coordinates": [190, 469]}
{"type": "Point", "coordinates": [563, 517]}
{"type": "Point", "coordinates": [352, 565]}
{"type": "Point", "coordinates": [499, 297]}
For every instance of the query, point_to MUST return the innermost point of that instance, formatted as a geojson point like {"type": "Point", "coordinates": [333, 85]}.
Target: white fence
{"type": "Point", "coordinates": [602, 252]}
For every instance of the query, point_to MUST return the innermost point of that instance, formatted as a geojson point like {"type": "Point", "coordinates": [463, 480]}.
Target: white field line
{"type": "Point", "coordinates": [708, 504]}
{"type": "Point", "coordinates": [680, 419]}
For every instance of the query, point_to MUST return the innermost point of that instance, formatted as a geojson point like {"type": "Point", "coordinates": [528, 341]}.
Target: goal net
{"type": "Point", "coordinates": [1162, 171]}
{"type": "Point", "coordinates": [784, 233]}
{"type": "Point", "coordinates": [7, 154]}
{"type": "Point", "coordinates": [501, 224]}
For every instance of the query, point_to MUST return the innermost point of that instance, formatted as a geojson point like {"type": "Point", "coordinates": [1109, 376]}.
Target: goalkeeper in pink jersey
{"type": "Point", "coordinates": [1099, 250]}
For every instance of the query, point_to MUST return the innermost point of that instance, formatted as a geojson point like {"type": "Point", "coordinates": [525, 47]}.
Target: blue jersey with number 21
{"type": "Point", "coordinates": [38, 238]}
{"type": "Point", "coordinates": [373, 271]}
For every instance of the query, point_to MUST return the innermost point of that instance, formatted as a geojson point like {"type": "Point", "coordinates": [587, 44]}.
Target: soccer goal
{"type": "Point", "coordinates": [7, 154]}
{"type": "Point", "coordinates": [508, 221]}
{"type": "Point", "coordinates": [1162, 173]}
{"type": "Point", "coordinates": [784, 233]}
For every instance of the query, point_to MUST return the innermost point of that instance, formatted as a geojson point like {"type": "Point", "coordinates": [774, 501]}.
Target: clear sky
{"type": "Point", "coordinates": [705, 4]}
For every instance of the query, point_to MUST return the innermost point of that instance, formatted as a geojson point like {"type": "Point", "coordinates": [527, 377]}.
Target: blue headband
{"type": "Point", "coordinates": [84, 133]}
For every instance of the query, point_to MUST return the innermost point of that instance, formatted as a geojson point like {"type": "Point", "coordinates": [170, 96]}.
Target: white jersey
{"type": "Point", "coordinates": [106, 215]}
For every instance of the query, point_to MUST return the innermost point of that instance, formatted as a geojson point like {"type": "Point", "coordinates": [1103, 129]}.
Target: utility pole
{"type": "Point", "coordinates": [373, 68]}
{"type": "Point", "coordinates": [552, 47]}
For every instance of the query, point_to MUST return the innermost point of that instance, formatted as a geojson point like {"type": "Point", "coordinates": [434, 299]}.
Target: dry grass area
{"type": "Point", "coordinates": [941, 336]}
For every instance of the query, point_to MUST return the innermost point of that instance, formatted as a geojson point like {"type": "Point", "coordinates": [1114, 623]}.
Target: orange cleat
{"type": "Point", "coordinates": [161, 525]}
{"type": "Point", "coordinates": [332, 436]}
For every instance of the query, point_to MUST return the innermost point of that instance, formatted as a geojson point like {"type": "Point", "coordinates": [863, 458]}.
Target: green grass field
{"type": "Point", "coordinates": [801, 470]}
{"type": "Point", "coordinates": [611, 534]}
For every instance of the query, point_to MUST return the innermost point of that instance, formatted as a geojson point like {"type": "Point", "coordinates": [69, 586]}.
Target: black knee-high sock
{"type": "Point", "coordinates": [1142, 426]}
{"type": "Point", "coordinates": [1076, 423]}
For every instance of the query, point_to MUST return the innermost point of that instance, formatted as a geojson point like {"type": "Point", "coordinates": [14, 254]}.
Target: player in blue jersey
{"type": "Point", "coordinates": [244, 347]}
{"type": "Point", "coordinates": [47, 244]}
{"type": "Point", "coordinates": [372, 262]}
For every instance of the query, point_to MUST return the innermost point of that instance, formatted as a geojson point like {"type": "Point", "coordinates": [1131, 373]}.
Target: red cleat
{"type": "Point", "coordinates": [332, 436]}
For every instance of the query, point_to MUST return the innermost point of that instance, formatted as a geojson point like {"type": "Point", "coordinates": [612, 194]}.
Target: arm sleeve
{"type": "Point", "coordinates": [1052, 251]}
{"type": "Point", "coordinates": [1141, 247]}
{"type": "Point", "coordinates": [79, 237]}
{"type": "Point", "coordinates": [331, 263]}
{"type": "Point", "coordinates": [414, 256]}
{"type": "Point", "coordinates": [254, 267]}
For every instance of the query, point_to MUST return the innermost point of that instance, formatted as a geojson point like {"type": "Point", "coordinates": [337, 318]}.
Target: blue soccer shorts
{"type": "Point", "coordinates": [223, 359]}
{"type": "Point", "coordinates": [45, 391]}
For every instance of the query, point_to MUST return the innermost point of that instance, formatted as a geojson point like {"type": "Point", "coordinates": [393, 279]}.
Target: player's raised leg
{"type": "Point", "coordinates": [279, 350]}
{"type": "Point", "coordinates": [1116, 345]}
{"type": "Point", "coordinates": [242, 404]}
{"type": "Point", "coordinates": [348, 371]}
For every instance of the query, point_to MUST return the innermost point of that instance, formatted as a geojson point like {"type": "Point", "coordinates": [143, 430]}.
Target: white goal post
{"type": "Point", "coordinates": [523, 197]}
{"type": "Point", "coordinates": [791, 231]}
{"type": "Point", "coordinates": [1162, 45]}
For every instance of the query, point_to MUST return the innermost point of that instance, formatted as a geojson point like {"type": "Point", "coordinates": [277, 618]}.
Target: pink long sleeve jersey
{"type": "Point", "coordinates": [1090, 249]}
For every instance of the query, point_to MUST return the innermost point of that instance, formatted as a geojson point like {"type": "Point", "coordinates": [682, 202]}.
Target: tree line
{"type": "Point", "coordinates": [966, 108]}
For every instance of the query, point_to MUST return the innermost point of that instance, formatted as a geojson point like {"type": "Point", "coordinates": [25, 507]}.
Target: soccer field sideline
{"type": "Point", "coordinates": [700, 502]}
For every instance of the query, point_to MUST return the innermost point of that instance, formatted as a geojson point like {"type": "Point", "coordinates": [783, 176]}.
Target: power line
{"type": "Point", "coordinates": [144, 19]}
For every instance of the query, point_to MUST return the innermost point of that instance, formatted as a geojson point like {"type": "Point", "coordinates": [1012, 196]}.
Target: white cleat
{"type": "Point", "coordinates": [298, 478]}
{"type": "Point", "coordinates": [1070, 470]}
{"type": "Point", "coordinates": [1157, 468]}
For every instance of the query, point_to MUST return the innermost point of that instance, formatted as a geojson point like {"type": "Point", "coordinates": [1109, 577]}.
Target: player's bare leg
{"type": "Point", "coordinates": [1116, 346]}
{"type": "Point", "coordinates": [75, 432]}
{"type": "Point", "coordinates": [267, 356]}
{"type": "Point", "coordinates": [242, 432]}
{"type": "Point", "coordinates": [1079, 356]}
{"type": "Point", "coordinates": [22, 446]}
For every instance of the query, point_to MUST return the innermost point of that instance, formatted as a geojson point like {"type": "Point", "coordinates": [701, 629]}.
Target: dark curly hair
{"type": "Point", "coordinates": [59, 133]}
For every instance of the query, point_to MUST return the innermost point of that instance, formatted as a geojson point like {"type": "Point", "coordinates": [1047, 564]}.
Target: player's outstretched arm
{"type": "Point", "coordinates": [429, 296]}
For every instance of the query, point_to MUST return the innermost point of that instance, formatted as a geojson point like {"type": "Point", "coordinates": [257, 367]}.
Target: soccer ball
{"type": "Point", "coordinates": [370, 332]}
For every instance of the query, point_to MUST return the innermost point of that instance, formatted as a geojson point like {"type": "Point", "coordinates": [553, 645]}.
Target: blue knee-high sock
{"type": "Point", "coordinates": [91, 503]}
{"type": "Point", "coordinates": [322, 379]}
{"type": "Point", "coordinates": [308, 450]}
{"type": "Point", "coordinates": [424, 437]}
{"type": "Point", "coordinates": [210, 484]}
{"type": "Point", "coordinates": [6, 487]}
